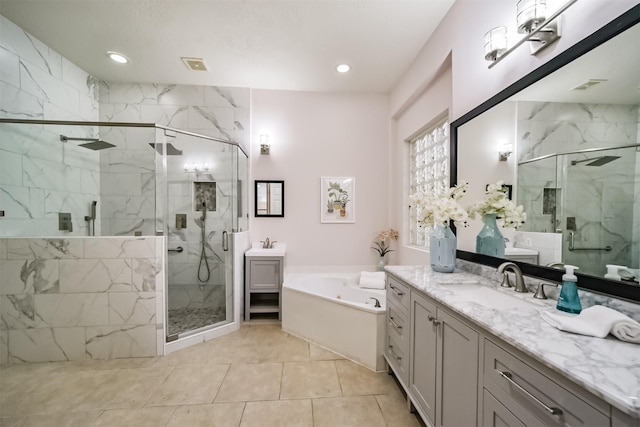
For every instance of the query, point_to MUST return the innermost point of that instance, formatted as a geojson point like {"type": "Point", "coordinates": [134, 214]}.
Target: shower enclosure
{"type": "Point", "coordinates": [78, 179]}
{"type": "Point", "coordinates": [585, 196]}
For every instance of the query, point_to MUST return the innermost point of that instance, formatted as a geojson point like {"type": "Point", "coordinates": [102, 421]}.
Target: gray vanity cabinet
{"type": "Point", "coordinates": [397, 331]}
{"type": "Point", "coordinates": [263, 284]}
{"type": "Point", "coordinates": [443, 374]}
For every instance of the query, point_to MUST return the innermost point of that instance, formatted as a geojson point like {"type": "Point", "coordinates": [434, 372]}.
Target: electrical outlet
{"type": "Point", "coordinates": [527, 243]}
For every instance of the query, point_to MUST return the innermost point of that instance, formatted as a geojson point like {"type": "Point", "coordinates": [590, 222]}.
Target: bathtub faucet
{"type": "Point", "coordinates": [377, 302]}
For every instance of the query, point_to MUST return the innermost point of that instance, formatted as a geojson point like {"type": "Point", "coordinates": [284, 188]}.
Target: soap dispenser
{"type": "Point", "coordinates": [613, 271]}
{"type": "Point", "coordinates": [569, 300]}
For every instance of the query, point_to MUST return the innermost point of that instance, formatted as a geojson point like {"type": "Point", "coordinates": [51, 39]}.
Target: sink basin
{"type": "Point", "coordinates": [487, 296]}
{"type": "Point", "coordinates": [278, 249]}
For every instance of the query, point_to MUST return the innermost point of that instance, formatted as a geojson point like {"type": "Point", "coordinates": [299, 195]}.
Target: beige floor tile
{"type": "Point", "coordinates": [64, 419]}
{"type": "Point", "coordinates": [279, 413]}
{"type": "Point", "coordinates": [309, 379]}
{"type": "Point", "coordinates": [189, 384]}
{"type": "Point", "coordinates": [284, 350]}
{"type": "Point", "coordinates": [395, 411]}
{"type": "Point", "coordinates": [56, 392]}
{"type": "Point", "coordinates": [128, 363]}
{"type": "Point", "coordinates": [195, 355]}
{"type": "Point", "coordinates": [12, 422]}
{"type": "Point", "coordinates": [251, 382]}
{"type": "Point", "coordinates": [357, 380]}
{"type": "Point", "coordinates": [216, 414]}
{"type": "Point", "coordinates": [139, 417]}
{"type": "Point", "coordinates": [128, 388]}
{"type": "Point", "coordinates": [236, 352]}
{"type": "Point", "coordinates": [318, 353]}
{"type": "Point", "coordinates": [268, 332]}
{"type": "Point", "coordinates": [354, 411]}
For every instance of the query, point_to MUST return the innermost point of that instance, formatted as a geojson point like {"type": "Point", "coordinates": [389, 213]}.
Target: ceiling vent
{"type": "Point", "coordinates": [589, 83]}
{"type": "Point", "coordinates": [194, 64]}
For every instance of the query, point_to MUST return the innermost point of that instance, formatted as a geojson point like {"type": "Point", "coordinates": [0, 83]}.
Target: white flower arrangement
{"type": "Point", "coordinates": [440, 210]}
{"type": "Point", "coordinates": [497, 202]}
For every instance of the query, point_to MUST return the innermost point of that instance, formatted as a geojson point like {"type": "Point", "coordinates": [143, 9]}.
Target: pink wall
{"type": "Point", "coordinates": [315, 135]}
{"type": "Point", "coordinates": [429, 87]}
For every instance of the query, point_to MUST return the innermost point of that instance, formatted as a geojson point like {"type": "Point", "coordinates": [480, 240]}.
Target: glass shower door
{"type": "Point", "coordinates": [199, 214]}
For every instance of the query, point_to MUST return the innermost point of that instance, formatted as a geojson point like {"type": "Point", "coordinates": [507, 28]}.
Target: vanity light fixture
{"type": "Point", "coordinates": [196, 167]}
{"type": "Point", "coordinates": [540, 29]}
{"type": "Point", "coordinates": [264, 144]}
{"type": "Point", "coordinates": [117, 57]}
{"type": "Point", "coordinates": [504, 151]}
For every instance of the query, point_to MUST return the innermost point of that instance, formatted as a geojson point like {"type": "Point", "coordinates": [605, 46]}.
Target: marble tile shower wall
{"type": "Point", "coordinates": [39, 175]}
{"type": "Point", "coordinates": [213, 111]}
{"type": "Point", "coordinates": [602, 201]}
{"type": "Point", "coordinates": [80, 298]}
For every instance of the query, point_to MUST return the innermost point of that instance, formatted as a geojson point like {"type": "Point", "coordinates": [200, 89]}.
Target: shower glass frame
{"type": "Point", "coordinates": [239, 164]}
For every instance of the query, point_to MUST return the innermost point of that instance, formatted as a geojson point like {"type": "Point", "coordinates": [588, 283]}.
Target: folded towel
{"type": "Point", "coordinates": [379, 275]}
{"type": "Point", "coordinates": [597, 321]}
{"type": "Point", "coordinates": [371, 283]}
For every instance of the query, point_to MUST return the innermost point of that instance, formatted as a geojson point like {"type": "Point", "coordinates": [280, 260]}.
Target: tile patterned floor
{"type": "Point", "coordinates": [258, 376]}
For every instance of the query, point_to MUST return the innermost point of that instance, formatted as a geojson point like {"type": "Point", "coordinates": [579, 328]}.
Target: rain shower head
{"type": "Point", "coordinates": [171, 150]}
{"type": "Point", "coordinates": [90, 143]}
{"type": "Point", "coordinates": [596, 161]}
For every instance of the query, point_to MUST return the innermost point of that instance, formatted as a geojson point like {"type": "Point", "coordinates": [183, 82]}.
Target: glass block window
{"type": "Point", "coordinates": [428, 172]}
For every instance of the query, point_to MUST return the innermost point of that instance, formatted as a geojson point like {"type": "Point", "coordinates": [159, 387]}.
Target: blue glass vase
{"type": "Point", "coordinates": [442, 249]}
{"type": "Point", "coordinates": [490, 240]}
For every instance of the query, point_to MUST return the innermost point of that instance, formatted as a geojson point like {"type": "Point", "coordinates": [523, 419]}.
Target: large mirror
{"type": "Point", "coordinates": [269, 198]}
{"type": "Point", "coordinates": [566, 137]}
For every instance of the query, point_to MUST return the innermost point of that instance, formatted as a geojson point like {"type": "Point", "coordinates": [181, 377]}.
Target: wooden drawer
{"type": "Point", "coordinates": [397, 357]}
{"type": "Point", "coordinates": [398, 323]}
{"type": "Point", "coordinates": [398, 293]}
{"type": "Point", "coordinates": [532, 396]}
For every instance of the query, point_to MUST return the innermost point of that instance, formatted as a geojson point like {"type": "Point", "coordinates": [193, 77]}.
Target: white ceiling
{"type": "Point", "coordinates": [269, 44]}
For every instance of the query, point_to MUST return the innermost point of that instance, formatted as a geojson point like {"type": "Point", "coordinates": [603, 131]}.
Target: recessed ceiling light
{"type": "Point", "coordinates": [117, 57]}
{"type": "Point", "coordinates": [343, 68]}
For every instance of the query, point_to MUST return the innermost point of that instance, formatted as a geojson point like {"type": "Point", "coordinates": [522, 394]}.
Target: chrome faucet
{"type": "Point", "coordinates": [265, 244]}
{"type": "Point", "coordinates": [558, 265]}
{"type": "Point", "coordinates": [520, 286]}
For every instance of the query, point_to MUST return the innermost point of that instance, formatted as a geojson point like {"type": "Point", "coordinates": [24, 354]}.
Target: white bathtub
{"type": "Point", "coordinates": [329, 309]}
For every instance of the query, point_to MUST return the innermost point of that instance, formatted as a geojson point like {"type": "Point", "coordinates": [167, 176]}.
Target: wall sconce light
{"type": "Point", "coordinates": [196, 167]}
{"type": "Point", "coordinates": [504, 150]}
{"type": "Point", "coordinates": [264, 144]}
{"type": "Point", "coordinates": [540, 30]}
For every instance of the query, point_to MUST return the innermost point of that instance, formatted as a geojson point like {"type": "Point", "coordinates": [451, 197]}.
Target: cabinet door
{"type": "Point", "coordinates": [264, 275]}
{"type": "Point", "coordinates": [457, 396]}
{"type": "Point", "coordinates": [422, 359]}
{"type": "Point", "coordinates": [496, 415]}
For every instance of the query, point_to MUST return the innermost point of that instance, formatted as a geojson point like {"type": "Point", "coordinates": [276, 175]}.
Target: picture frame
{"type": "Point", "coordinates": [204, 191]}
{"type": "Point", "coordinates": [338, 200]}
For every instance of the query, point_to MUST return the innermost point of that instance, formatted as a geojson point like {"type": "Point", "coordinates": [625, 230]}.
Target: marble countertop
{"type": "Point", "coordinates": [608, 368]}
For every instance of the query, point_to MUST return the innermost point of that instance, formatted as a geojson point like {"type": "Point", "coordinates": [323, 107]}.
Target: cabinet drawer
{"type": "Point", "coordinates": [397, 293]}
{"type": "Point", "coordinates": [532, 396]}
{"type": "Point", "coordinates": [396, 357]}
{"type": "Point", "coordinates": [397, 322]}
{"type": "Point", "coordinates": [494, 414]}
{"type": "Point", "coordinates": [264, 275]}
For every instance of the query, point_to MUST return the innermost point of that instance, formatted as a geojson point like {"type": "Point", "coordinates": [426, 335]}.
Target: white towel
{"type": "Point", "coordinates": [372, 279]}
{"type": "Point", "coordinates": [597, 321]}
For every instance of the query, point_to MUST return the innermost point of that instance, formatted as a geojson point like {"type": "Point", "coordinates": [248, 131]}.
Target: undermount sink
{"type": "Point", "coordinates": [278, 249]}
{"type": "Point", "coordinates": [487, 296]}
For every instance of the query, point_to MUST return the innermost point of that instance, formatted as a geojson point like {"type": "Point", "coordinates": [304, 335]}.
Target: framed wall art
{"type": "Point", "coordinates": [338, 200]}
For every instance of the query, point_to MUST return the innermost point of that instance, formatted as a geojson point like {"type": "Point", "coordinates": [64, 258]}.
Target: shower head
{"type": "Point", "coordinates": [171, 150]}
{"type": "Point", "coordinates": [90, 143]}
{"type": "Point", "coordinates": [596, 161]}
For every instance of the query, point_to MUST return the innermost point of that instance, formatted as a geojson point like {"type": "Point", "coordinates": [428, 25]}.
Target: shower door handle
{"type": "Point", "coordinates": [225, 241]}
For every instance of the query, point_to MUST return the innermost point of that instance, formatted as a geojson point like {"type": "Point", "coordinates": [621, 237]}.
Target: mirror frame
{"type": "Point", "coordinates": [255, 198]}
{"type": "Point", "coordinates": [592, 283]}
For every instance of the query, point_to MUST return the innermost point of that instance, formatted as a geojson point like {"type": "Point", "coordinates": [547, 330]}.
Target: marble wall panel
{"type": "Point", "coordinates": [10, 168]}
{"type": "Point", "coordinates": [216, 96]}
{"type": "Point", "coordinates": [31, 141]}
{"type": "Point", "coordinates": [4, 347]}
{"type": "Point", "coordinates": [128, 93]}
{"type": "Point", "coordinates": [95, 275]}
{"type": "Point", "coordinates": [120, 113]}
{"type": "Point", "coordinates": [180, 95]}
{"type": "Point", "coordinates": [21, 43]}
{"type": "Point", "coordinates": [132, 308]}
{"type": "Point", "coordinates": [43, 248]}
{"type": "Point", "coordinates": [119, 247]}
{"type": "Point", "coordinates": [28, 276]}
{"type": "Point", "coordinates": [117, 342]}
{"type": "Point", "coordinates": [46, 345]}
{"type": "Point", "coordinates": [218, 118]}
{"type": "Point", "coordinates": [18, 312]}
{"type": "Point", "coordinates": [146, 272]}
{"type": "Point", "coordinates": [9, 68]}
{"type": "Point", "coordinates": [64, 310]}
{"type": "Point", "coordinates": [49, 88]}
{"type": "Point", "coordinates": [17, 104]}
{"type": "Point", "coordinates": [22, 202]}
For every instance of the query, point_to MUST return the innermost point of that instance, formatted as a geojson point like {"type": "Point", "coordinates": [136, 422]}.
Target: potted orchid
{"type": "Point", "coordinates": [438, 212]}
{"type": "Point", "coordinates": [382, 244]}
{"type": "Point", "coordinates": [495, 209]}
